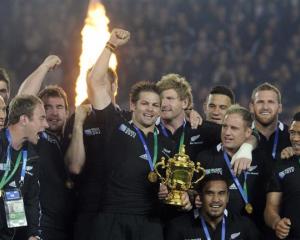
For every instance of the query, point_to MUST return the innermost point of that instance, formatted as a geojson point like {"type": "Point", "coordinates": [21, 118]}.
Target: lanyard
{"type": "Point", "coordinates": [242, 191]}
{"type": "Point", "coordinates": [206, 229]}
{"type": "Point", "coordinates": [165, 133]}
{"type": "Point", "coordinates": [275, 143]}
{"type": "Point", "coordinates": [149, 159]}
{"type": "Point", "coordinates": [6, 178]}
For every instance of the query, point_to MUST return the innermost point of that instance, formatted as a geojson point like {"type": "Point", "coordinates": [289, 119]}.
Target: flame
{"type": "Point", "coordinates": [94, 34]}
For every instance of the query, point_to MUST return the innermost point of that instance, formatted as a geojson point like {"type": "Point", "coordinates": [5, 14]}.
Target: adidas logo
{"type": "Point", "coordinates": [12, 184]}
{"type": "Point", "coordinates": [232, 187]}
{"type": "Point", "coordinates": [144, 156]}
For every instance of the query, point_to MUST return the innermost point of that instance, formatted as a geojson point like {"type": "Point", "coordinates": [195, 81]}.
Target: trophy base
{"type": "Point", "coordinates": [174, 198]}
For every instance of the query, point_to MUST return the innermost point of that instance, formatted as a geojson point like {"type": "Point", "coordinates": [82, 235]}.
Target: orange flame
{"type": "Point", "coordinates": [94, 34]}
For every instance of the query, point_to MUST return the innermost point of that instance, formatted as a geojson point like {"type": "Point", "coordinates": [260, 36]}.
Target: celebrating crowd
{"type": "Point", "coordinates": [91, 174]}
{"type": "Point", "coordinates": [234, 42]}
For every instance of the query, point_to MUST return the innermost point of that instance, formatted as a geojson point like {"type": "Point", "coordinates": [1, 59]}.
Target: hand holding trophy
{"type": "Point", "coordinates": [179, 172]}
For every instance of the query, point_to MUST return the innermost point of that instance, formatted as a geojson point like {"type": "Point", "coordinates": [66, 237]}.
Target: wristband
{"type": "Point", "coordinates": [245, 151]}
{"type": "Point", "coordinates": [110, 46]}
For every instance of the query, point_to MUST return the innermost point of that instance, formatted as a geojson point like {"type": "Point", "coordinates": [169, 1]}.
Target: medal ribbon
{"type": "Point", "coordinates": [6, 178]}
{"type": "Point", "coordinates": [206, 229]}
{"type": "Point", "coordinates": [165, 133]}
{"type": "Point", "coordinates": [242, 191]}
{"type": "Point", "coordinates": [275, 143]}
{"type": "Point", "coordinates": [149, 159]}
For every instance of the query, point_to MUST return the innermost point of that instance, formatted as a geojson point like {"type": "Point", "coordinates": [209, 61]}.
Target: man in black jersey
{"type": "Point", "coordinates": [266, 106]}
{"type": "Point", "coordinates": [212, 221]}
{"type": "Point", "coordinates": [131, 150]}
{"type": "Point", "coordinates": [247, 191]}
{"type": "Point", "coordinates": [282, 208]}
{"type": "Point", "coordinates": [57, 209]}
{"type": "Point", "coordinates": [84, 158]}
{"type": "Point", "coordinates": [19, 167]}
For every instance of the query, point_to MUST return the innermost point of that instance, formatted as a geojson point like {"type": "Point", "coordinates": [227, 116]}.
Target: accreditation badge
{"type": "Point", "coordinates": [14, 209]}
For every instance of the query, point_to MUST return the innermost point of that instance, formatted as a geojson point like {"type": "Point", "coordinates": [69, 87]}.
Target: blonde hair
{"type": "Point", "coordinates": [179, 84]}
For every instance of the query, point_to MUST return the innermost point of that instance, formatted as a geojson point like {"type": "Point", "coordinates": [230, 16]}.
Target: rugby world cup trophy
{"type": "Point", "coordinates": [179, 172]}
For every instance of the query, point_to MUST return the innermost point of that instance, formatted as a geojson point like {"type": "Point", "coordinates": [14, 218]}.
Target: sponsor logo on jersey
{"type": "Point", "coordinates": [92, 131]}
{"type": "Point", "coordinates": [286, 171]}
{"type": "Point", "coordinates": [123, 128]}
{"type": "Point", "coordinates": [213, 171]}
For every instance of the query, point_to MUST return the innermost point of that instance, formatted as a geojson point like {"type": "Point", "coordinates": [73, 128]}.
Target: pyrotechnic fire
{"type": "Point", "coordinates": [94, 34]}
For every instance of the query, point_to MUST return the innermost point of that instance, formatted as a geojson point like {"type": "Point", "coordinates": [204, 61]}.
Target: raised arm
{"type": "Point", "coordinates": [32, 84]}
{"type": "Point", "coordinates": [75, 154]}
{"type": "Point", "coordinates": [97, 83]}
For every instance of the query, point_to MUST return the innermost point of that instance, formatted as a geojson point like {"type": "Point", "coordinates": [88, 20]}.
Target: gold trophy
{"type": "Point", "coordinates": [179, 174]}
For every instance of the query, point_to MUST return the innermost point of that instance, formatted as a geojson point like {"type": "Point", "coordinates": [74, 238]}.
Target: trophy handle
{"type": "Point", "coordinates": [163, 165]}
{"type": "Point", "coordinates": [199, 169]}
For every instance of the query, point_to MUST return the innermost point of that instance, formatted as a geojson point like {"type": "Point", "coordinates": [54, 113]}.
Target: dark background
{"type": "Point", "coordinates": [238, 43]}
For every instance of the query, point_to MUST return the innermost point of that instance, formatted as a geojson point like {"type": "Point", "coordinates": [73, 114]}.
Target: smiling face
{"type": "Point", "coordinates": [265, 107]}
{"type": "Point", "coordinates": [214, 198]}
{"type": "Point", "coordinates": [216, 106]}
{"type": "Point", "coordinates": [295, 136]}
{"type": "Point", "coordinates": [56, 113]}
{"type": "Point", "coordinates": [171, 105]}
{"type": "Point", "coordinates": [146, 109]}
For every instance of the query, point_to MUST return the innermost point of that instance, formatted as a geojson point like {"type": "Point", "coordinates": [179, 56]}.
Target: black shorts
{"type": "Point", "coordinates": [83, 225]}
{"type": "Point", "coordinates": [111, 226]}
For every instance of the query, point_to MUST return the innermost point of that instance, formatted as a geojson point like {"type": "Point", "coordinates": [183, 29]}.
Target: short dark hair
{"type": "Point", "coordinates": [4, 77]}
{"type": "Point", "coordinates": [243, 112]}
{"type": "Point", "coordinates": [212, 177]}
{"type": "Point", "coordinates": [223, 91]}
{"type": "Point", "coordinates": [266, 87]}
{"type": "Point", "coordinates": [143, 86]}
{"type": "Point", "coordinates": [22, 105]}
{"type": "Point", "coordinates": [296, 117]}
{"type": "Point", "coordinates": [54, 91]}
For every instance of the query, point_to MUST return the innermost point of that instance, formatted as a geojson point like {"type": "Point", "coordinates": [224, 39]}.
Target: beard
{"type": "Point", "coordinates": [266, 121]}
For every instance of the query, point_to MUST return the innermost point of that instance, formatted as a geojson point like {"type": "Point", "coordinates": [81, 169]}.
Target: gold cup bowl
{"type": "Point", "coordinates": [179, 172]}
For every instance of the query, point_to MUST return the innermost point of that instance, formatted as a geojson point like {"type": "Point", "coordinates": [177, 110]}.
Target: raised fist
{"type": "Point", "coordinates": [51, 62]}
{"type": "Point", "coordinates": [119, 37]}
{"type": "Point", "coordinates": [82, 111]}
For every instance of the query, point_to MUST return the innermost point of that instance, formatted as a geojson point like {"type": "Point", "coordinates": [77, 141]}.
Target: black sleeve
{"type": "Point", "coordinates": [31, 201]}
{"type": "Point", "coordinates": [274, 184]}
{"type": "Point", "coordinates": [211, 134]}
{"type": "Point", "coordinates": [250, 230]}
